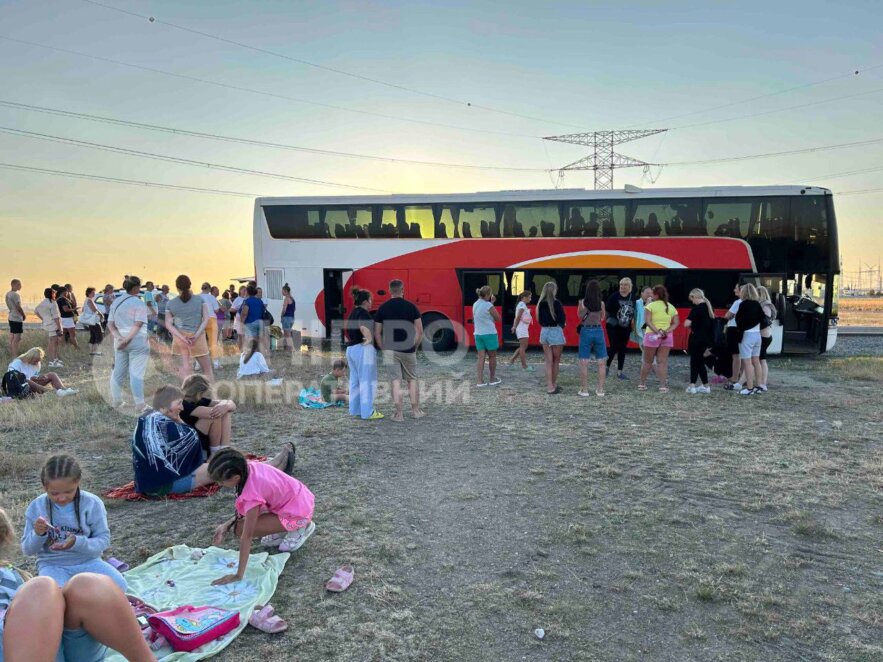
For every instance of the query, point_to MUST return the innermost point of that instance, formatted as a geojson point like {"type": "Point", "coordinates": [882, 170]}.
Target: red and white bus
{"type": "Point", "coordinates": [445, 246]}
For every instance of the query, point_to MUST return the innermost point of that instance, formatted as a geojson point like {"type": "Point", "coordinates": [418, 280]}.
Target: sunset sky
{"type": "Point", "coordinates": [571, 65]}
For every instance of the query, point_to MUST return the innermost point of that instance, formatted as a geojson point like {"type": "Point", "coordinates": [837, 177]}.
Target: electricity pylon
{"type": "Point", "coordinates": [604, 160]}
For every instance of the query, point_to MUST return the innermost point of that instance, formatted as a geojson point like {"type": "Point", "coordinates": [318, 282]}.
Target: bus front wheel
{"type": "Point", "coordinates": [438, 333]}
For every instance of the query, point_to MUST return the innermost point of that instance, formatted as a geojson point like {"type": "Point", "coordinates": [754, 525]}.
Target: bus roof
{"type": "Point", "coordinates": [629, 193]}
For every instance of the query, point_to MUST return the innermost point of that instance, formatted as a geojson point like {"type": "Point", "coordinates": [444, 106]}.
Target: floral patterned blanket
{"type": "Point", "coordinates": [182, 575]}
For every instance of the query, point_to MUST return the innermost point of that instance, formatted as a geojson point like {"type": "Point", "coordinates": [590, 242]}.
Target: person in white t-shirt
{"type": "Point", "coordinates": [29, 364]}
{"type": "Point", "coordinates": [127, 323]}
{"type": "Point", "coordinates": [50, 320]}
{"type": "Point", "coordinates": [211, 328]}
{"type": "Point", "coordinates": [733, 341]}
{"type": "Point", "coordinates": [521, 329]}
{"type": "Point", "coordinates": [237, 321]}
{"type": "Point", "coordinates": [15, 316]}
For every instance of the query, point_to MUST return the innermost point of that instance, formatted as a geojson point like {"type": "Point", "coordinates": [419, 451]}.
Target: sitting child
{"type": "Point", "coordinates": [333, 390]}
{"type": "Point", "coordinates": [66, 528]}
{"type": "Point", "coordinates": [252, 363]}
{"type": "Point", "coordinates": [212, 418]}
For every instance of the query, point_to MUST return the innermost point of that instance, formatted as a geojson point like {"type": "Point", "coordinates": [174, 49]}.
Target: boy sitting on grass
{"type": "Point", "coordinates": [331, 386]}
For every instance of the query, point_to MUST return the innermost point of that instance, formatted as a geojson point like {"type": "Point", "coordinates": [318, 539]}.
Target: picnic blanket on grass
{"type": "Point", "coordinates": [172, 579]}
{"type": "Point", "coordinates": [311, 398]}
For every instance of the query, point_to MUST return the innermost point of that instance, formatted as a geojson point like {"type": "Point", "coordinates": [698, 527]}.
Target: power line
{"type": "Point", "coordinates": [174, 159]}
{"type": "Point", "coordinates": [805, 150]}
{"type": "Point", "coordinates": [250, 141]}
{"type": "Point", "coordinates": [334, 70]}
{"type": "Point", "coordinates": [117, 180]}
{"type": "Point", "coordinates": [275, 95]}
{"type": "Point", "coordinates": [859, 191]}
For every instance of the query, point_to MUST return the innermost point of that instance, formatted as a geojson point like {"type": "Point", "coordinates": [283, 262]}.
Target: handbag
{"type": "Point", "coordinates": [187, 628]}
{"type": "Point", "coordinates": [612, 322]}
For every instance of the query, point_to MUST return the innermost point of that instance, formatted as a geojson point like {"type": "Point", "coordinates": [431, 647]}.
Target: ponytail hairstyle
{"type": "Point", "coordinates": [286, 288]}
{"type": "Point", "coordinates": [763, 295]}
{"type": "Point", "coordinates": [59, 467]}
{"type": "Point", "coordinates": [183, 285]}
{"type": "Point", "coordinates": [661, 293]}
{"type": "Point", "coordinates": [748, 292]}
{"type": "Point", "coordinates": [484, 292]}
{"type": "Point", "coordinates": [525, 295]}
{"type": "Point", "coordinates": [699, 294]}
{"type": "Point", "coordinates": [360, 296]}
{"type": "Point", "coordinates": [196, 386]}
{"type": "Point", "coordinates": [592, 298]}
{"type": "Point", "coordinates": [550, 289]}
{"type": "Point", "coordinates": [131, 282]}
{"type": "Point", "coordinates": [7, 539]}
{"type": "Point", "coordinates": [225, 464]}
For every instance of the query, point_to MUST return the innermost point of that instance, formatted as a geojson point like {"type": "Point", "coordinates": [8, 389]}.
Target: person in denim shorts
{"type": "Point", "coordinates": [591, 311]}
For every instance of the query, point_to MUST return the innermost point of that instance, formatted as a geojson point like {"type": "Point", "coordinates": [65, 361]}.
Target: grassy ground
{"type": "Point", "coordinates": [640, 526]}
{"type": "Point", "coordinates": [861, 311]}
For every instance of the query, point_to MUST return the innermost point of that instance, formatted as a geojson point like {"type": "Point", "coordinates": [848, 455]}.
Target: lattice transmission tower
{"type": "Point", "coordinates": [603, 159]}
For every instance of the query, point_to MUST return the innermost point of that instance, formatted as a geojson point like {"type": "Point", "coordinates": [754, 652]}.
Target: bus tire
{"type": "Point", "coordinates": [438, 333]}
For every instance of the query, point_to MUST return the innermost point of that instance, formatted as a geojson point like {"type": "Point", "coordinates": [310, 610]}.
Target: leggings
{"type": "Point", "coordinates": [619, 338]}
{"type": "Point", "coordinates": [697, 362]}
{"type": "Point", "coordinates": [62, 573]}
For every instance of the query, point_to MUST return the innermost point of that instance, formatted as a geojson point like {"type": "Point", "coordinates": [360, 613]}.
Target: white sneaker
{"type": "Point", "coordinates": [275, 382]}
{"type": "Point", "coordinates": [583, 394]}
{"type": "Point", "coordinates": [703, 389]}
{"type": "Point", "coordinates": [217, 364]}
{"type": "Point", "coordinates": [763, 387]}
{"type": "Point", "coordinates": [64, 391]}
{"type": "Point", "coordinates": [746, 391]}
{"type": "Point", "coordinates": [692, 390]}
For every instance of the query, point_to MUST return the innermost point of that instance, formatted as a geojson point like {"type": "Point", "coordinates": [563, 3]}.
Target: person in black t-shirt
{"type": "Point", "coordinates": [398, 329]}
{"type": "Point", "coordinates": [701, 325]}
{"type": "Point", "coordinates": [211, 418]}
{"type": "Point", "coordinates": [362, 357]}
{"type": "Point", "coordinates": [66, 309]}
{"type": "Point", "coordinates": [620, 323]}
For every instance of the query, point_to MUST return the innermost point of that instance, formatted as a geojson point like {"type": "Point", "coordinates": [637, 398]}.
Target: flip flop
{"type": "Point", "coordinates": [263, 619]}
{"type": "Point", "coordinates": [289, 462]}
{"type": "Point", "coordinates": [119, 566]}
{"type": "Point", "coordinates": [341, 580]}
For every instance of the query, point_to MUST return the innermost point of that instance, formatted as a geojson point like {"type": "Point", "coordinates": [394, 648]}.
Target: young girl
{"type": "Point", "coordinates": [29, 364]}
{"type": "Point", "coordinates": [521, 329]}
{"type": "Point", "coordinates": [591, 311]}
{"type": "Point", "coordinates": [552, 319]}
{"type": "Point", "coordinates": [487, 342]}
{"type": "Point", "coordinates": [67, 527]}
{"type": "Point", "coordinates": [212, 419]}
{"type": "Point", "coordinates": [39, 621]}
{"type": "Point", "coordinates": [270, 505]}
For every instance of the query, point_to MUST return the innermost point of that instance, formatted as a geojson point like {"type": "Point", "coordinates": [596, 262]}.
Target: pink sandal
{"type": "Point", "coordinates": [265, 620]}
{"type": "Point", "coordinates": [341, 580]}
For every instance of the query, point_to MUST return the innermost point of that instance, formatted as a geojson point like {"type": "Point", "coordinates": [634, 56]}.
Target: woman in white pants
{"type": "Point", "coordinates": [362, 358]}
{"type": "Point", "coordinates": [127, 323]}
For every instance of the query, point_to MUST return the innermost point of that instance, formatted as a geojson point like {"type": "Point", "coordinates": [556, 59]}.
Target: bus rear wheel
{"type": "Point", "coordinates": [438, 333]}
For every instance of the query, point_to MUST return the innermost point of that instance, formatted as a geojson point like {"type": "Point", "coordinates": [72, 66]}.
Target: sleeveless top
{"type": "Point", "coordinates": [289, 310]}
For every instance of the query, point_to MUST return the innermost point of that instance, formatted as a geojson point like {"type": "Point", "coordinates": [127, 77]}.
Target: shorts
{"type": "Point", "coordinates": [53, 332]}
{"type": "Point", "coordinates": [750, 345]}
{"type": "Point", "coordinates": [77, 645]}
{"type": "Point", "coordinates": [293, 522]}
{"type": "Point", "coordinates": [68, 323]}
{"type": "Point", "coordinates": [287, 323]}
{"type": "Point", "coordinates": [95, 335]}
{"type": "Point", "coordinates": [487, 342]}
{"type": "Point", "coordinates": [522, 331]}
{"type": "Point", "coordinates": [552, 335]}
{"type": "Point", "coordinates": [404, 366]}
{"type": "Point", "coordinates": [253, 329]}
{"type": "Point", "coordinates": [732, 340]}
{"type": "Point", "coordinates": [198, 348]}
{"type": "Point", "coordinates": [764, 345]}
{"type": "Point", "coordinates": [653, 340]}
{"type": "Point", "coordinates": [591, 343]}
{"type": "Point", "coordinates": [16, 327]}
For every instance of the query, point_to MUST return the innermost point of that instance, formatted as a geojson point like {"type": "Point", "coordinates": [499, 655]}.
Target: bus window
{"type": "Point", "coordinates": [349, 222]}
{"type": "Point", "coordinates": [476, 222]}
{"type": "Point", "coordinates": [291, 222]}
{"type": "Point", "coordinates": [473, 280]}
{"type": "Point", "coordinates": [810, 220]}
{"type": "Point", "coordinates": [530, 220]}
{"type": "Point", "coordinates": [666, 218]}
{"type": "Point", "coordinates": [447, 225]}
{"type": "Point", "coordinates": [419, 222]}
{"type": "Point", "coordinates": [729, 217]}
{"type": "Point", "coordinates": [594, 219]}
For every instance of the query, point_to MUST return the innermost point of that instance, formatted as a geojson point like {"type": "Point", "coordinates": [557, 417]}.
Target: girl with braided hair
{"type": "Point", "coordinates": [66, 528]}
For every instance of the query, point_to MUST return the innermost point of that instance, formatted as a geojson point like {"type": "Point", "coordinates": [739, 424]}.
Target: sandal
{"type": "Point", "coordinates": [663, 389]}
{"type": "Point", "coordinates": [273, 540]}
{"type": "Point", "coordinates": [119, 566]}
{"type": "Point", "coordinates": [642, 387]}
{"type": "Point", "coordinates": [341, 579]}
{"type": "Point", "coordinates": [295, 539]}
{"type": "Point", "coordinates": [263, 619]}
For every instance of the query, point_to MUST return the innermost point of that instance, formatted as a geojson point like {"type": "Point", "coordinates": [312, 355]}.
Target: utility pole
{"type": "Point", "coordinates": [603, 159]}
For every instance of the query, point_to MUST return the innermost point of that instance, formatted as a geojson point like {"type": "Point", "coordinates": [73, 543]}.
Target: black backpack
{"type": "Point", "coordinates": [268, 317]}
{"type": "Point", "coordinates": [15, 385]}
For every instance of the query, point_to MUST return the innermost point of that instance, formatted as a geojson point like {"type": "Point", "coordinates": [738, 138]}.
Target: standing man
{"type": "Point", "coordinates": [50, 317]}
{"type": "Point", "coordinates": [16, 316]}
{"type": "Point", "coordinates": [149, 295]}
{"type": "Point", "coordinates": [211, 329]}
{"type": "Point", "coordinates": [161, 299]}
{"type": "Point", "coordinates": [398, 328]}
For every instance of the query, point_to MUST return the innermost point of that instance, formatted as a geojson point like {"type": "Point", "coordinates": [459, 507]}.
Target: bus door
{"type": "Point", "coordinates": [334, 280]}
{"type": "Point", "coordinates": [515, 285]}
{"type": "Point", "coordinates": [471, 281]}
{"type": "Point", "coordinates": [786, 334]}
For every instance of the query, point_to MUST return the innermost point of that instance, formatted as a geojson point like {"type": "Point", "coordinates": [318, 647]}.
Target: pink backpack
{"type": "Point", "coordinates": [187, 628]}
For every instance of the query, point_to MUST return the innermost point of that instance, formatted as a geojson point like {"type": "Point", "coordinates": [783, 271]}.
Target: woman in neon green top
{"type": "Point", "coordinates": [660, 321]}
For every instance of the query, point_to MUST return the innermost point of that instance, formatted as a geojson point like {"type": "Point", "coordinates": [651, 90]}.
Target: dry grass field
{"type": "Point", "coordinates": [861, 311]}
{"type": "Point", "coordinates": [641, 526]}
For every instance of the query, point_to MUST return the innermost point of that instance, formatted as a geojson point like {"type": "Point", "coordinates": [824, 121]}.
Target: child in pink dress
{"type": "Point", "coordinates": [270, 505]}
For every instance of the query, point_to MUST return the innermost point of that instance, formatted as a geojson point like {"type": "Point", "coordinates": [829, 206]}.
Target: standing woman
{"type": "Point", "coordinates": [550, 313]}
{"type": "Point", "coordinates": [187, 317]}
{"type": "Point", "coordinates": [50, 320]}
{"type": "Point", "coordinates": [700, 321]}
{"type": "Point", "coordinates": [735, 383]}
{"type": "Point", "coordinates": [237, 317]}
{"type": "Point", "coordinates": [67, 311]}
{"type": "Point", "coordinates": [521, 329]}
{"type": "Point", "coordinates": [227, 322]}
{"type": "Point", "coordinates": [91, 318]}
{"type": "Point", "coordinates": [591, 311]}
{"type": "Point", "coordinates": [661, 319]}
{"type": "Point", "coordinates": [620, 323]}
{"type": "Point", "coordinates": [127, 323]}
{"type": "Point", "coordinates": [487, 342]}
{"type": "Point", "coordinates": [361, 357]}
{"type": "Point", "coordinates": [288, 307]}
{"type": "Point", "coordinates": [766, 335]}
{"type": "Point", "coordinates": [220, 316]}
{"type": "Point", "coordinates": [107, 300]}
{"type": "Point", "coordinates": [749, 321]}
